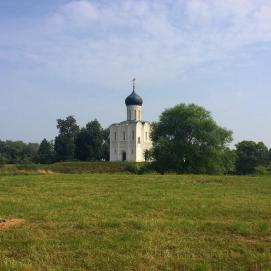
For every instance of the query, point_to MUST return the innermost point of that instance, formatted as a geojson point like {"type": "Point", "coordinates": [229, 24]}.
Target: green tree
{"type": "Point", "coordinates": [29, 152]}
{"type": "Point", "coordinates": [3, 160]}
{"type": "Point", "coordinates": [46, 154]}
{"type": "Point", "coordinates": [229, 161]}
{"type": "Point", "coordinates": [187, 139]}
{"type": "Point", "coordinates": [148, 154]}
{"type": "Point", "coordinates": [65, 141]}
{"type": "Point", "coordinates": [64, 148]}
{"type": "Point", "coordinates": [89, 142]}
{"type": "Point", "coordinates": [95, 129]}
{"type": "Point", "coordinates": [82, 145]}
{"type": "Point", "coordinates": [250, 155]}
{"type": "Point", "coordinates": [13, 152]}
{"type": "Point", "coordinates": [262, 154]}
{"type": "Point", "coordinates": [3, 154]}
{"type": "Point", "coordinates": [106, 145]}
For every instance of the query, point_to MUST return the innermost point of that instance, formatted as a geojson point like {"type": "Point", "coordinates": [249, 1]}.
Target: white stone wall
{"type": "Point", "coordinates": [121, 140]}
{"type": "Point", "coordinates": [143, 132]}
{"type": "Point", "coordinates": [130, 137]}
{"type": "Point", "coordinates": [134, 112]}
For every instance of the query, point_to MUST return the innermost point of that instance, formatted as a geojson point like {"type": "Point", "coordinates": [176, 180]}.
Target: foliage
{"type": "Point", "coordinates": [148, 154]}
{"type": "Point", "coordinates": [89, 142]}
{"type": "Point", "coordinates": [139, 168]}
{"type": "Point", "coordinates": [68, 127]}
{"type": "Point", "coordinates": [65, 141]}
{"type": "Point", "coordinates": [64, 148]}
{"type": "Point", "coordinates": [46, 154]}
{"type": "Point", "coordinates": [187, 139]}
{"type": "Point", "coordinates": [250, 155]}
{"type": "Point", "coordinates": [12, 152]}
{"type": "Point", "coordinates": [262, 170]}
{"type": "Point", "coordinates": [3, 160]}
{"type": "Point", "coordinates": [82, 145]}
{"type": "Point", "coordinates": [106, 145]}
{"type": "Point", "coordinates": [134, 222]}
{"type": "Point", "coordinates": [229, 161]}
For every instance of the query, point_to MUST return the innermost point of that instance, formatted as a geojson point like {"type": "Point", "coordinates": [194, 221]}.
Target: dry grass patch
{"type": "Point", "coordinates": [6, 224]}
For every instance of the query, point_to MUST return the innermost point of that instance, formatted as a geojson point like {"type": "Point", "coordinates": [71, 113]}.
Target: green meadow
{"type": "Point", "coordinates": [135, 222]}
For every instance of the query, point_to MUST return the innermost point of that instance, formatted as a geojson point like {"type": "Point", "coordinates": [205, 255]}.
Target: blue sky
{"type": "Point", "coordinates": [62, 57]}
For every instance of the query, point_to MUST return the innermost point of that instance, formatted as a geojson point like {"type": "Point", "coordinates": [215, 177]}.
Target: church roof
{"type": "Point", "coordinates": [133, 99]}
{"type": "Point", "coordinates": [127, 122]}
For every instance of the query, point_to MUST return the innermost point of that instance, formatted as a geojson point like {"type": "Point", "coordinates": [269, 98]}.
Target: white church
{"type": "Point", "coordinates": [130, 139]}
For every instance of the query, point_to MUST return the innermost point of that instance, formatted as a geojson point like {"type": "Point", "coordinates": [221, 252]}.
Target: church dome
{"type": "Point", "coordinates": [133, 99]}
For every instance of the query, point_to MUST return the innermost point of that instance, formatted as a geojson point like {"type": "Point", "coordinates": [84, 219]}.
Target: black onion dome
{"type": "Point", "coordinates": [133, 99]}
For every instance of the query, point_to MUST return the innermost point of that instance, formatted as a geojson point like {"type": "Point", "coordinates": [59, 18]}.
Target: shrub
{"type": "Point", "coordinates": [139, 168]}
{"type": "Point", "coordinates": [132, 168]}
{"type": "Point", "coordinates": [262, 170]}
{"type": "Point", "coordinates": [3, 160]}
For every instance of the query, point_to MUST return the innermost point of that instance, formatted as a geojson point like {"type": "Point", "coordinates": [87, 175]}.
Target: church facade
{"type": "Point", "coordinates": [130, 139]}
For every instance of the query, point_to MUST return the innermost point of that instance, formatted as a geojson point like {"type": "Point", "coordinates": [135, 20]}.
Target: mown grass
{"type": "Point", "coordinates": [131, 222]}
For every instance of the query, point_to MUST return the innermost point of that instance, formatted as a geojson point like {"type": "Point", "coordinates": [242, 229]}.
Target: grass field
{"type": "Point", "coordinates": [131, 222]}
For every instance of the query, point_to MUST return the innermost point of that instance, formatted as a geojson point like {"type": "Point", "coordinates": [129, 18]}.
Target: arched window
{"type": "Point", "coordinates": [123, 134]}
{"type": "Point", "coordinates": [133, 135]}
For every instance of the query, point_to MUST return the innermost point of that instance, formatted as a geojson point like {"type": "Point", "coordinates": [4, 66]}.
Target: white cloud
{"type": "Point", "coordinates": [91, 46]}
{"type": "Point", "coordinates": [150, 39]}
{"type": "Point", "coordinates": [80, 10]}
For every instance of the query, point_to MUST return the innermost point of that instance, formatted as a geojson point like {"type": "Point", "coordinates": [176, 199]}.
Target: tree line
{"type": "Point", "coordinates": [186, 139]}
{"type": "Point", "coordinates": [89, 143]}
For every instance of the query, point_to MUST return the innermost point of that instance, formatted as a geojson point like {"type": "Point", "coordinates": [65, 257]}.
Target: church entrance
{"type": "Point", "coordinates": [124, 156]}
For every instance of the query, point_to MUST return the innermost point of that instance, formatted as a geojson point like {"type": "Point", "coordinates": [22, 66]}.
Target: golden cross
{"type": "Point", "coordinates": [134, 84]}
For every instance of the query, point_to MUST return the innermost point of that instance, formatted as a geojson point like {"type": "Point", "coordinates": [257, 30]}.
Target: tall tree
{"type": "Point", "coordinates": [95, 129]}
{"type": "Point", "coordinates": [250, 155]}
{"type": "Point", "coordinates": [89, 142]}
{"type": "Point", "coordinates": [82, 145]}
{"type": "Point", "coordinates": [65, 141]}
{"type": "Point", "coordinates": [187, 139]}
{"type": "Point", "coordinates": [46, 153]}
